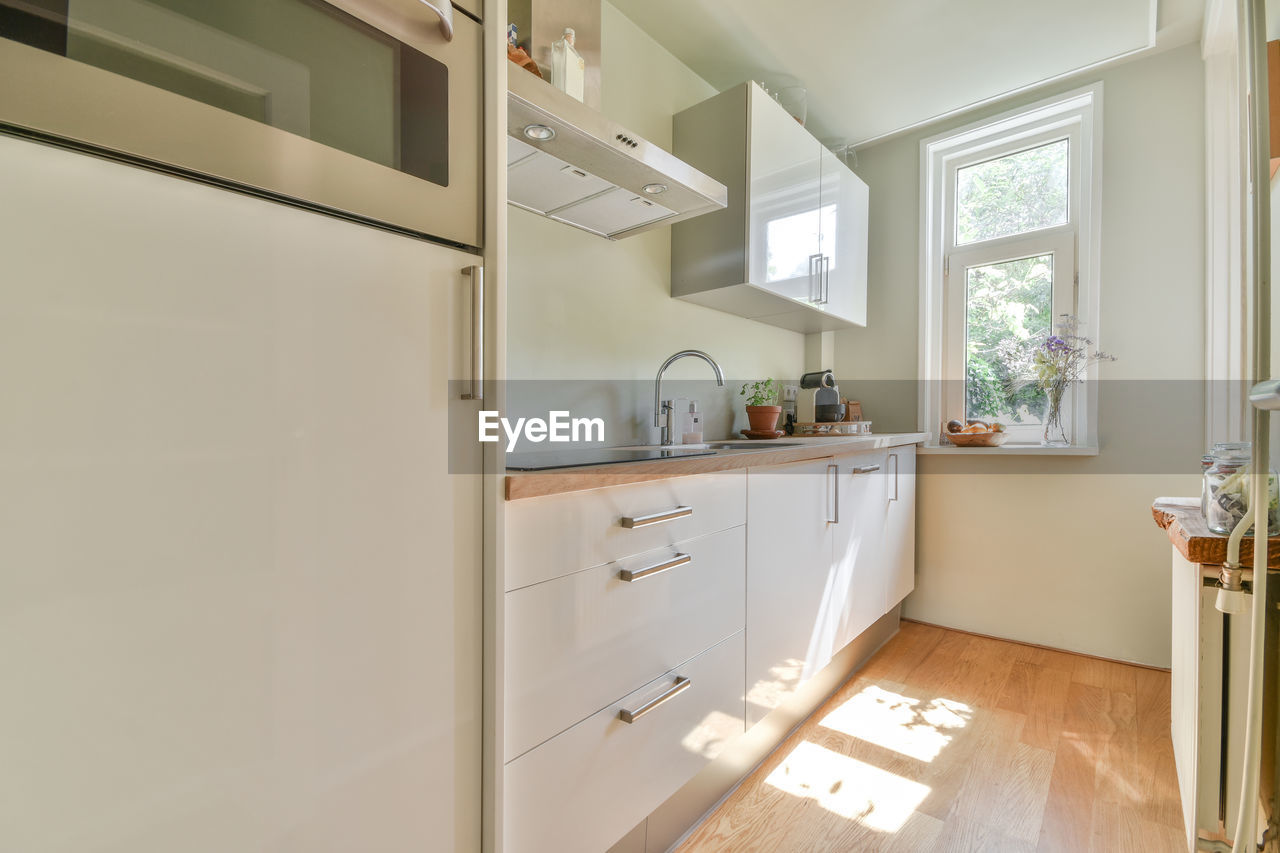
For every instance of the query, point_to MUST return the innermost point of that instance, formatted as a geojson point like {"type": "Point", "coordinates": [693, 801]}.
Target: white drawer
{"type": "Point", "coordinates": [579, 642]}
{"type": "Point", "coordinates": [584, 789]}
{"type": "Point", "coordinates": [553, 536]}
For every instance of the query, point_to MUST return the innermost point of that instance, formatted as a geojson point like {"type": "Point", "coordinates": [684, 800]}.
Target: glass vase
{"type": "Point", "coordinates": [1055, 428]}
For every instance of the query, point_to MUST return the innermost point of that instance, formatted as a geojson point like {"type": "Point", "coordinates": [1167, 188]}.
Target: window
{"type": "Point", "coordinates": [1010, 241]}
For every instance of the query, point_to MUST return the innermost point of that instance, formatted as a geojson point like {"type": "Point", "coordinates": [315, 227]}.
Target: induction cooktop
{"type": "Point", "coordinates": [602, 456]}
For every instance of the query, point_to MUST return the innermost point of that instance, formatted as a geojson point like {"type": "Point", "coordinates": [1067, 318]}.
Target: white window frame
{"type": "Point", "coordinates": [1075, 115]}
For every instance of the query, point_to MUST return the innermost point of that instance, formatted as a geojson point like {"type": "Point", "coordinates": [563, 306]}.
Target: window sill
{"type": "Point", "coordinates": [1006, 450]}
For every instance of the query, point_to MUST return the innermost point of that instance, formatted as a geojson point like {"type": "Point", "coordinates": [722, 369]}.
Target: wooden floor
{"type": "Point", "coordinates": [949, 742]}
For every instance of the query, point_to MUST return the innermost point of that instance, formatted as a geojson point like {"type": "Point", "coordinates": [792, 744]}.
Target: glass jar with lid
{"type": "Point", "coordinates": [1227, 489]}
{"type": "Point", "coordinates": [1206, 462]}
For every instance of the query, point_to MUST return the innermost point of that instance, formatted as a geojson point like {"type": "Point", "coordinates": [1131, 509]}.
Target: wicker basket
{"type": "Point", "coordinates": [975, 439]}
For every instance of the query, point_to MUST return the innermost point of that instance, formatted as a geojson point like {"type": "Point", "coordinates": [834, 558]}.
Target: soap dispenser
{"type": "Point", "coordinates": [692, 429]}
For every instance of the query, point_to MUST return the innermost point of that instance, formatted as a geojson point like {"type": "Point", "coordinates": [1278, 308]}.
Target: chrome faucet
{"type": "Point", "coordinates": [662, 414]}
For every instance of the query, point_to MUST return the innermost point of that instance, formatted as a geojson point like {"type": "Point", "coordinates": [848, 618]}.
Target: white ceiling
{"type": "Point", "coordinates": [875, 67]}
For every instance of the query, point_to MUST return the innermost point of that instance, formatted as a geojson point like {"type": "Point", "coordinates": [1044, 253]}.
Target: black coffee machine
{"type": "Point", "coordinates": [819, 399]}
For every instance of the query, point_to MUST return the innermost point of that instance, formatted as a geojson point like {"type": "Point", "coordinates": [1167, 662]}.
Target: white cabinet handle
{"type": "Point", "coordinates": [656, 569]}
{"type": "Point", "coordinates": [477, 332]}
{"type": "Point", "coordinates": [815, 278]}
{"type": "Point", "coordinates": [834, 480]}
{"type": "Point", "coordinates": [657, 517]}
{"type": "Point", "coordinates": [444, 9]}
{"type": "Point", "coordinates": [681, 685]}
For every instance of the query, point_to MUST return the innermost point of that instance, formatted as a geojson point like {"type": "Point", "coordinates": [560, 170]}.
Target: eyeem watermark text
{"type": "Point", "coordinates": [558, 427]}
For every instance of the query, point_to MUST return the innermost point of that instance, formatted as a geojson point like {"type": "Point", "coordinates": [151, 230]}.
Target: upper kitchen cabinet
{"type": "Point", "coordinates": [791, 247]}
{"type": "Point", "coordinates": [844, 216]}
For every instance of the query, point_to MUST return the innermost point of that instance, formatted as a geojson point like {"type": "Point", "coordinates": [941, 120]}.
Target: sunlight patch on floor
{"type": "Point", "coordinates": [848, 787]}
{"type": "Point", "coordinates": [913, 727]}
{"type": "Point", "coordinates": [1111, 768]}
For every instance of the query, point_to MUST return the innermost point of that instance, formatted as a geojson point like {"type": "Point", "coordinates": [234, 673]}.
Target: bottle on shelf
{"type": "Point", "coordinates": [568, 68]}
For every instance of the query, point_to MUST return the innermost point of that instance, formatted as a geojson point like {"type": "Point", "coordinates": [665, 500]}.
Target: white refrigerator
{"type": "Point", "coordinates": [240, 590]}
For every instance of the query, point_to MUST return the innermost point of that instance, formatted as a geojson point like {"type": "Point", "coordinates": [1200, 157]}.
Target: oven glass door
{"type": "Point", "coordinates": [304, 67]}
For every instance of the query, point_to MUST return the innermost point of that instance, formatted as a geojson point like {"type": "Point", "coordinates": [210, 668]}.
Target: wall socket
{"type": "Point", "coordinates": [789, 393]}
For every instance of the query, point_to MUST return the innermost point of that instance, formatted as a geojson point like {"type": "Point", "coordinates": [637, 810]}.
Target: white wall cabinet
{"type": "Point", "coordinates": [784, 180]}
{"type": "Point", "coordinates": [791, 247]}
{"type": "Point", "coordinates": [845, 219]}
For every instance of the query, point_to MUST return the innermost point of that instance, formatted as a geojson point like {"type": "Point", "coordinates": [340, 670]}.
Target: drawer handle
{"type": "Point", "coordinates": [681, 685]}
{"type": "Point", "coordinates": [657, 517]}
{"type": "Point", "coordinates": [443, 9]}
{"type": "Point", "coordinates": [864, 469]}
{"type": "Point", "coordinates": [658, 568]}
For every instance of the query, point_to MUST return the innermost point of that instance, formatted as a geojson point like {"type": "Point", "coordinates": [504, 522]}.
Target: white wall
{"type": "Point", "coordinates": [583, 308]}
{"type": "Point", "coordinates": [1063, 551]}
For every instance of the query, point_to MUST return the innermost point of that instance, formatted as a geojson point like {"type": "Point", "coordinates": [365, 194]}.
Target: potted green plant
{"type": "Point", "coordinates": [761, 411]}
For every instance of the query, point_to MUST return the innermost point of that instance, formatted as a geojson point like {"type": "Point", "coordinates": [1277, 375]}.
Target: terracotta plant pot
{"type": "Point", "coordinates": [763, 418]}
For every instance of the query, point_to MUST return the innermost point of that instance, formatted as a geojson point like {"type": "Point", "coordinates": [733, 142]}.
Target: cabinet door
{"type": "Point", "coordinates": [900, 525]}
{"type": "Point", "coordinates": [790, 630]}
{"type": "Point", "coordinates": [786, 171]}
{"type": "Point", "coordinates": [859, 555]}
{"type": "Point", "coordinates": [845, 199]}
{"type": "Point", "coordinates": [242, 588]}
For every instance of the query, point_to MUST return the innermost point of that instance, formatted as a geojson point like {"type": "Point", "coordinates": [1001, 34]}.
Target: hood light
{"type": "Point", "coordinates": [655, 189]}
{"type": "Point", "coordinates": [539, 132]}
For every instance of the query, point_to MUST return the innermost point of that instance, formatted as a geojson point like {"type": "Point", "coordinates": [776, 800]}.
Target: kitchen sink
{"type": "Point", "coordinates": [751, 445]}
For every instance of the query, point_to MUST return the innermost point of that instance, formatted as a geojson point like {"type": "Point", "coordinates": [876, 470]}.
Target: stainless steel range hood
{"type": "Point", "coordinates": [568, 162]}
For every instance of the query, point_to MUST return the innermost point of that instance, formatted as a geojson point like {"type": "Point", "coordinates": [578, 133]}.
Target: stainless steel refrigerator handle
{"type": "Point", "coordinates": [444, 9]}
{"type": "Point", "coordinates": [657, 568]}
{"type": "Point", "coordinates": [681, 685]}
{"type": "Point", "coordinates": [835, 491]}
{"type": "Point", "coordinates": [477, 332]}
{"type": "Point", "coordinates": [657, 517]}
{"type": "Point", "coordinates": [894, 457]}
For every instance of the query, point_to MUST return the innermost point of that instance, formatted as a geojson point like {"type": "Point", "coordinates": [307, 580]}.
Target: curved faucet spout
{"type": "Point", "coordinates": [662, 407]}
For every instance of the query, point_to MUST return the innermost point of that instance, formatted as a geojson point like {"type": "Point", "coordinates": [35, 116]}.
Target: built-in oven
{"type": "Point", "coordinates": [368, 109]}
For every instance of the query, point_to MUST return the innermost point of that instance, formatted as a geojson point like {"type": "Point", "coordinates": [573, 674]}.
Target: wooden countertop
{"type": "Point", "coordinates": [1181, 519]}
{"type": "Point", "coordinates": [532, 484]}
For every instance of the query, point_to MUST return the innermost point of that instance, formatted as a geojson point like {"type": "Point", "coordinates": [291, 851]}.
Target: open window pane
{"type": "Point", "coordinates": [1011, 195]}
{"type": "Point", "coordinates": [1009, 305]}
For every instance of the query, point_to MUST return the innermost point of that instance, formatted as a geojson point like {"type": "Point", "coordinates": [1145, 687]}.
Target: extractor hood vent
{"type": "Point", "coordinates": [568, 162]}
